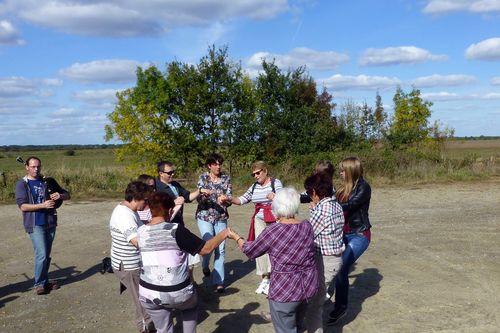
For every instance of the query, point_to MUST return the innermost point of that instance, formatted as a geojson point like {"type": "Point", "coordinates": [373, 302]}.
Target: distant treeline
{"type": "Point", "coordinates": [55, 147]}
{"type": "Point", "coordinates": [481, 137]}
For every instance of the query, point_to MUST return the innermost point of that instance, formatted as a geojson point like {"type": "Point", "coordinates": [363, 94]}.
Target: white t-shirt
{"type": "Point", "coordinates": [123, 227]}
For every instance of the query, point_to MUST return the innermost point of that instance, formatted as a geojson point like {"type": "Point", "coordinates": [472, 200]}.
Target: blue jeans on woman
{"type": "Point", "coordinates": [42, 239]}
{"type": "Point", "coordinates": [356, 244]}
{"type": "Point", "coordinates": [209, 230]}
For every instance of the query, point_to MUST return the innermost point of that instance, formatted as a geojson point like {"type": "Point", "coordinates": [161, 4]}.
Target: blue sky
{"type": "Point", "coordinates": [61, 62]}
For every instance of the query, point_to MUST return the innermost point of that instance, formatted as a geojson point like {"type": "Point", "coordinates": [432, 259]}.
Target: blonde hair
{"type": "Point", "coordinates": [259, 165]}
{"type": "Point", "coordinates": [353, 171]}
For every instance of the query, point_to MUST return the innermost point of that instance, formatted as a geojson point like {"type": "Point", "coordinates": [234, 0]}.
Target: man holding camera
{"type": "Point", "coordinates": [38, 198]}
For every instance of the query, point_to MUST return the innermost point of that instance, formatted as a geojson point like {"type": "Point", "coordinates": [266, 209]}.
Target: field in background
{"type": "Point", "coordinates": [88, 173]}
{"type": "Point", "coordinates": [478, 148]}
{"type": "Point", "coordinates": [95, 173]}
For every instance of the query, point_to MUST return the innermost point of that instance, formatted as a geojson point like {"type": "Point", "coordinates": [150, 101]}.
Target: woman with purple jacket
{"type": "Point", "coordinates": [290, 246]}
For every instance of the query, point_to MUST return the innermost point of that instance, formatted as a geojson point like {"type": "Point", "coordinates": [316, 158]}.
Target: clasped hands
{"type": "Point", "coordinates": [50, 203]}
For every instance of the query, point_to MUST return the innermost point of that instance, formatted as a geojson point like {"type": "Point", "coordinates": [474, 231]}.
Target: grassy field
{"type": "Point", "coordinates": [95, 173]}
{"type": "Point", "coordinates": [89, 173]}
{"type": "Point", "coordinates": [478, 148]}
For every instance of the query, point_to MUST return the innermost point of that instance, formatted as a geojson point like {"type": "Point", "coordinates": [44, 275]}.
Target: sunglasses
{"type": "Point", "coordinates": [256, 173]}
{"type": "Point", "coordinates": [170, 173]}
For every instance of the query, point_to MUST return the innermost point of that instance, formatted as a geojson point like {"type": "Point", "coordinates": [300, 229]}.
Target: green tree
{"type": "Point", "coordinates": [294, 119]}
{"type": "Point", "coordinates": [185, 113]}
{"type": "Point", "coordinates": [411, 117]}
{"type": "Point", "coordinates": [380, 118]}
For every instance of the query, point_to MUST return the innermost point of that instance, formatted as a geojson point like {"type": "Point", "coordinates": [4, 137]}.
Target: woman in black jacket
{"type": "Point", "coordinates": [354, 197]}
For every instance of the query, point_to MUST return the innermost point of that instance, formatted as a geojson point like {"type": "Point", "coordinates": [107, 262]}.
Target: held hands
{"type": "Point", "coordinates": [47, 204]}
{"type": "Point", "coordinates": [232, 234]}
{"type": "Point", "coordinates": [55, 196]}
{"type": "Point", "coordinates": [206, 192]}
{"type": "Point", "coordinates": [223, 199]}
{"type": "Point", "coordinates": [270, 196]}
{"type": "Point", "coordinates": [179, 200]}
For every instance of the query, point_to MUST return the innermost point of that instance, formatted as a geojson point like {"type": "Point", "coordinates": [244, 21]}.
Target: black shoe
{"type": "Point", "coordinates": [336, 314]}
{"type": "Point", "coordinates": [206, 272]}
{"type": "Point", "coordinates": [220, 289]}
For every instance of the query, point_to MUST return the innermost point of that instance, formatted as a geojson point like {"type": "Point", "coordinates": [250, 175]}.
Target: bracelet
{"type": "Point", "coordinates": [239, 239]}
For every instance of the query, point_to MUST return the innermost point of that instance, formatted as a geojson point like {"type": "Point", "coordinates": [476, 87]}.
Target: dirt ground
{"type": "Point", "coordinates": [433, 266]}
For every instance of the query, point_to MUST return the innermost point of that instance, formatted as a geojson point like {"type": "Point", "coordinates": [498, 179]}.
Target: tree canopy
{"type": "Point", "coordinates": [190, 110]}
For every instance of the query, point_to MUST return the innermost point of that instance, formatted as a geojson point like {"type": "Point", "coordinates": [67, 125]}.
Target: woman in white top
{"type": "Point", "coordinates": [261, 193]}
{"type": "Point", "coordinates": [125, 258]}
{"type": "Point", "coordinates": [164, 281]}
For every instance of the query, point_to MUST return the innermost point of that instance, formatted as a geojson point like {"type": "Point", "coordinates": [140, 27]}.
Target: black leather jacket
{"type": "Point", "coordinates": [357, 207]}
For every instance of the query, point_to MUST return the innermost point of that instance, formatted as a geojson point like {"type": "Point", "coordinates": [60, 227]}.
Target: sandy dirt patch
{"type": "Point", "coordinates": [433, 266]}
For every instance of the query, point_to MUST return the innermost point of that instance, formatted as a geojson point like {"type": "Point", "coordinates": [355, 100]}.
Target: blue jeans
{"type": "Point", "coordinates": [42, 239]}
{"type": "Point", "coordinates": [356, 244]}
{"type": "Point", "coordinates": [207, 231]}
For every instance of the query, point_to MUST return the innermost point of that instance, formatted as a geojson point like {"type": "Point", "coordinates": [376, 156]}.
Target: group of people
{"type": "Point", "coordinates": [301, 262]}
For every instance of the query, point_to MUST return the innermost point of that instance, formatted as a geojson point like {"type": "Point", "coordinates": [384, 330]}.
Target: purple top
{"type": "Point", "coordinates": [294, 275]}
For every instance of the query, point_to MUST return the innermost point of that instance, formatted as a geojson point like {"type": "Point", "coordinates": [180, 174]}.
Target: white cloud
{"type": "Point", "coordinates": [447, 96]}
{"type": "Point", "coordinates": [104, 98]}
{"type": "Point", "coordinates": [52, 82]}
{"type": "Point", "coordinates": [96, 96]}
{"type": "Point", "coordinates": [132, 18]}
{"type": "Point", "coordinates": [322, 60]}
{"type": "Point", "coordinates": [493, 95]}
{"type": "Point", "coordinates": [22, 106]}
{"type": "Point", "coordinates": [103, 71]}
{"type": "Point", "coordinates": [9, 34]}
{"type": "Point", "coordinates": [488, 49]}
{"type": "Point", "coordinates": [65, 112]}
{"type": "Point", "coordinates": [397, 55]}
{"type": "Point", "coordinates": [17, 86]}
{"type": "Point", "coordinates": [437, 80]}
{"type": "Point", "coordinates": [474, 6]}
{"type": "Point", "coordinates": [441, 96]}
{"type": "Point", "coordinates": [360, 82]}
{"type": "Point", "coordinates": [495, 81]}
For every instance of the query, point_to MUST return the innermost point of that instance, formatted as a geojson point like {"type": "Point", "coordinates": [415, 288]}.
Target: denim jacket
{"type": "Point", "coordinates": [24, 196]}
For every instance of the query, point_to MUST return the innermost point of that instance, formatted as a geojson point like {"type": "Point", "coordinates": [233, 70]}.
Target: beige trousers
{"type": "Point", "coordinates": [263, 263]}
{"type": "Point", "coordinates": [328, 268]}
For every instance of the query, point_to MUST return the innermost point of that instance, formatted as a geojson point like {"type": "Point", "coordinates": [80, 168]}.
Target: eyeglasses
{"type": "Point", "coordinates": [256, 173]}
{"type": "Point", "coordinates": [170, 173]}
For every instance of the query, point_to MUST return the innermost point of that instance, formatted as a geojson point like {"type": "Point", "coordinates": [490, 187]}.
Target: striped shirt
{"type": "Point", "coordinates": [327, 220]}
{"type": "Point", "coordinates": [123, 227]}
{"type": "Point", "coordinates": [259, 194]}
{"type": "Point", "coordinates": [291, 251]}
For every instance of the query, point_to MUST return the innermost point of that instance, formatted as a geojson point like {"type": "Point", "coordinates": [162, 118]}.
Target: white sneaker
{"type": "Point", "coordinates": [262, 286]}
{"type": "Point", "coordinates": [265, 290]}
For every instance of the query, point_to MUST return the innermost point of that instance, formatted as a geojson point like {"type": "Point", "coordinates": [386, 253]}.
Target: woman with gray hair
{"type": "Point", "coordinates": [290, 246]}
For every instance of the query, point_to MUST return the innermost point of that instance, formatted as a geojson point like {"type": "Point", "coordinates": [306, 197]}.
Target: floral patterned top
{"type": "Point", "coordinates": [208, 209]}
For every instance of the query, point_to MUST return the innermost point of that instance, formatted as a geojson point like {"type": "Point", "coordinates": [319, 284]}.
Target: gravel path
{"type": "Point", "coordinates": [432, 266]}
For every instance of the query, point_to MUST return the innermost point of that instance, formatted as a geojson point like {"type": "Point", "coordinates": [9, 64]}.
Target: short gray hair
{"type": "Point", "coordinates": [286, 203]}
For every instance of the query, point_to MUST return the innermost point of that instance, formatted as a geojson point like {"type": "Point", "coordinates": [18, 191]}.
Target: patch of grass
{"type": "Point", "coordinates": [94, 173]}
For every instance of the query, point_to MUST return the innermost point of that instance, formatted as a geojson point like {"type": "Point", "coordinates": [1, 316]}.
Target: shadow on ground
{"type": "Point", "coordinates": [63, 276]}
{"type": "Point", "coordinates": [365, 285]}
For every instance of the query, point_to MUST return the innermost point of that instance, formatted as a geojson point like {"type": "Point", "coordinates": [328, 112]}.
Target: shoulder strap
{"type": "Point", "coordinates": [272, 186]}
{"type": "Point", "coordinates": [253, 188]}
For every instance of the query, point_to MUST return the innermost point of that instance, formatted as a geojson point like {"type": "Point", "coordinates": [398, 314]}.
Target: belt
{"type": "Point", "coordinates": [165, 289]}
